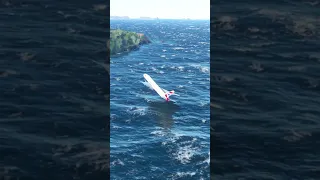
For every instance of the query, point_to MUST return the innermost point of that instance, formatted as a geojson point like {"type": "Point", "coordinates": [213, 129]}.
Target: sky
{"type": "Point", "coordinates": [163, 9]}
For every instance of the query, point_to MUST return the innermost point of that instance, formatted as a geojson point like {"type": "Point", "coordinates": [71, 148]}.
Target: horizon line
{"type": "Point", "coordinates": [155, 18]}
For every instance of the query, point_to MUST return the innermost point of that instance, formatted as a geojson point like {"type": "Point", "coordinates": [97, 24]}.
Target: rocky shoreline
{"type": "Point", "coordinates": [126, 41]}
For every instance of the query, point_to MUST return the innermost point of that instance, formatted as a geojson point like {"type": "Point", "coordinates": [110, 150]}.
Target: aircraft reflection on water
{"type": "Point", "coordinates": [164, 112]}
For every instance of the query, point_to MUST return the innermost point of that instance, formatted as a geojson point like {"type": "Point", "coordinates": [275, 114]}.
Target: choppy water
{"type": "Point", "coordinates": [53, 113]}
{"type": "Point", "coordinates": [264, 93]}
{"type": "Point", "coordinates": [150, 138]}
{"type": "Point", "coordinates": [265, 97]}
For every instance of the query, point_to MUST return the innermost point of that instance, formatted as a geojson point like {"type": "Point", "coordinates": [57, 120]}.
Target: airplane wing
{"type": "Point", "coordinates": [165, 91]}
{"type": "Point", "coordinates": [147, 84]}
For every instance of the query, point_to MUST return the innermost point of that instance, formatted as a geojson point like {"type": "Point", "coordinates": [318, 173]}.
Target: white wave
{"type": "Point", "coordinates": [203, 69]}
{"type": "Point", "coordinates": [115, 127]}
{"type": "Point", "coordinates": [137, 111]}
{"type": "Point", "coordinates": [204, 42]}
{"type": "Point", "coordinates": [185, 154]}
{"type": "Point", "coordinates": [117, 162]}
{"type": "Point", "coordinates": [177, 48]}
{"type": "Point", "coordinates": [180, 68]}
{"type": "Point", "coordinates": [179, 175]}
{"type": "Point", "coordinates": [208, 159]}
{"type": "Point", "coordinates": [113, 116]}
{"type": "Point", "coordinates": [164, 143]}
{"type": "Point", "coordinates": [158, 133]}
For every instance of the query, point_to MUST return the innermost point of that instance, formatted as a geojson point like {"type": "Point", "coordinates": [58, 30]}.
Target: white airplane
{"type": "Point", "coordinates": [162, 92]}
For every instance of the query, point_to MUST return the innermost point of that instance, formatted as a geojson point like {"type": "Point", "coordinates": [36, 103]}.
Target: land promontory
{"type": "Point", "coordinates": [126, 41]}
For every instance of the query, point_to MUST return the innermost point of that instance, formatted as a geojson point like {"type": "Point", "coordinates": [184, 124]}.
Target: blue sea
{"type": "Point", "coordinates": [54, 90]}
{"type": "Point", "coordinates": [265, 100]}
{"type": "Point", "coordinates": [149, 137]}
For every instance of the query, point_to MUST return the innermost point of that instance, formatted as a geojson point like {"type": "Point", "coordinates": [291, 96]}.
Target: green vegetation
{"type": "Point", "coordinates": [125, 41]}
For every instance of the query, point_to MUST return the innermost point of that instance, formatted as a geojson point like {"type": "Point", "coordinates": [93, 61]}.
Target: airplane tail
{"type": "Point", "coordinates": [169, 93]}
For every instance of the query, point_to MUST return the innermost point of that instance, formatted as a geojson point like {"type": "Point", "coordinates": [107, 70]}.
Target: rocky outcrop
{"type": "Point", "coordinates": [126, 41]}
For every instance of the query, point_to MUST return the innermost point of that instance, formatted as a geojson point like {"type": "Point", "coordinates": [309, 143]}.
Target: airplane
{"type": "Point", "coordinates": [162, 92]}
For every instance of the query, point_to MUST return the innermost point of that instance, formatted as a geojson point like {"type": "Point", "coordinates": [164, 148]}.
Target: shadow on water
{"type": "Point", "coordinates": [164, 112]}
